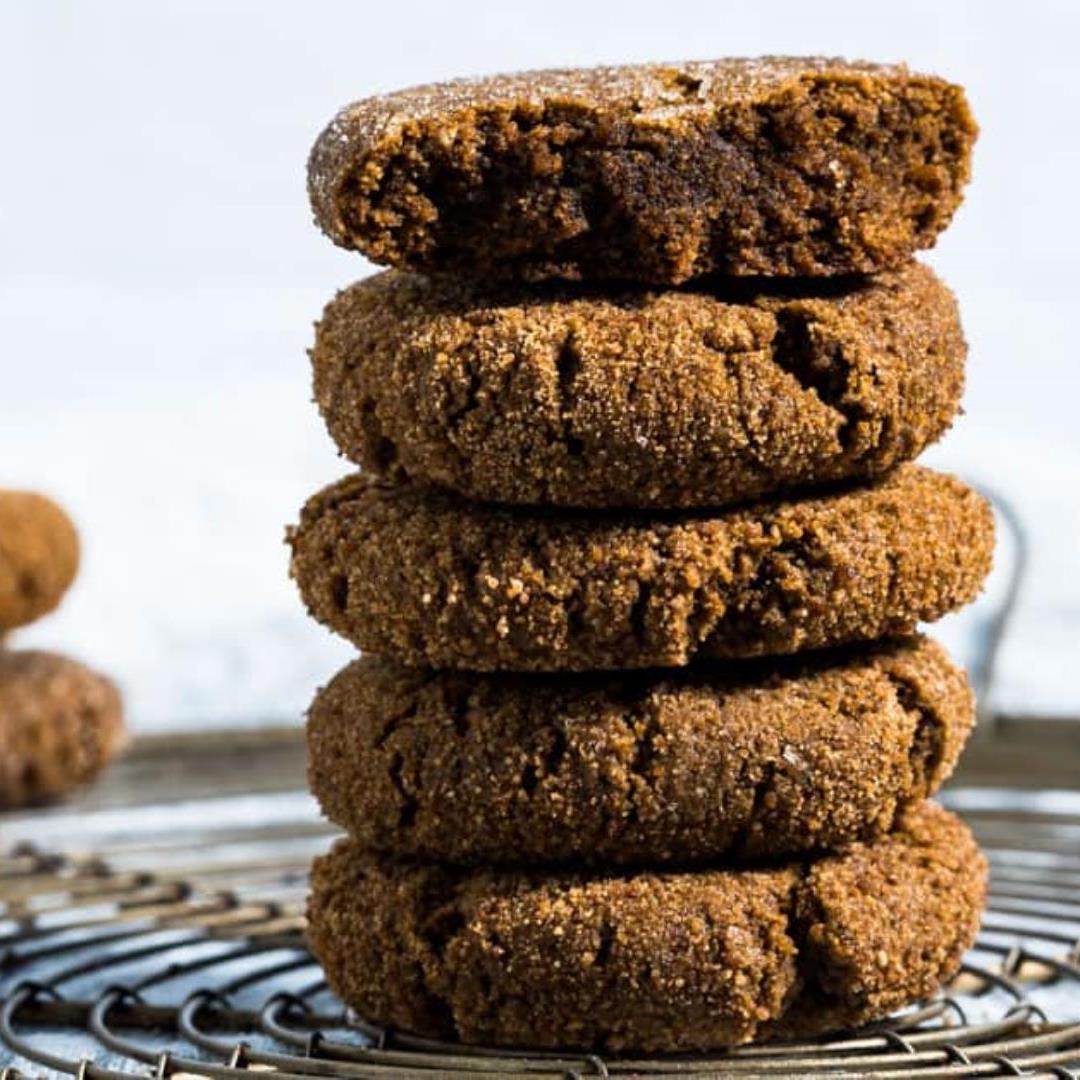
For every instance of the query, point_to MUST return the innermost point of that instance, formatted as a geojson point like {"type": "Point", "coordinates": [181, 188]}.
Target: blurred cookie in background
{"type": "Point", "coordinates": [60, 725]}
{"type": "Point", "coordinates": [39, 555]}
{"type": "Point", "coordinates": [60, 722]}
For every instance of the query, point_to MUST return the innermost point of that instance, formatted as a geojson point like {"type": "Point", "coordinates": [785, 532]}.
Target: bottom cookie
{"type": "Point", "coordinates": [60, 725]}
{"type": "Point", "coordinates": [650, 961]}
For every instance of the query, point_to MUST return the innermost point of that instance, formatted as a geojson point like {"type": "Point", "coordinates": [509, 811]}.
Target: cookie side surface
{"type": "Point", "coordinates": [649, 961]}
{"type": "Point", "coordinates": [436, 581]}
{"type": "Point", "coordinates": [657, 768]}
{"type": "Point", "coordinates": [651, 399]}
{"type": "Point", "coordinates": [657, 173]}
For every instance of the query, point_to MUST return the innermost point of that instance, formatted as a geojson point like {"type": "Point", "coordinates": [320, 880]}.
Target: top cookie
{"type": "Point", "coordinates": [39, 555]}
{"type": "Point", "coordinates": [657, 173]}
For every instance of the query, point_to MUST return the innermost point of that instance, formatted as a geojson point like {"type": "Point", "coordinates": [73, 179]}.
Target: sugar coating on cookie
{"type": "Point", "coordinates": [779, 166]}
{"type": "Point", "coordinates": [574, 397]}
{"type": "Point", "coordinates": [435, 580]}
{"type": "Point", "coordinates": [650, 960]}
{"type": "Point", "coordinates": [39, 556]}
{"type": "Point", "coordinates": [60, 725]}
{"type": "Point", "coordinates": [754, 760]}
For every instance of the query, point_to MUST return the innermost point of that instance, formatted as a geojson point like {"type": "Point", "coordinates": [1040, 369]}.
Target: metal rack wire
{"type": "Point", "coordinates": [191, 961]}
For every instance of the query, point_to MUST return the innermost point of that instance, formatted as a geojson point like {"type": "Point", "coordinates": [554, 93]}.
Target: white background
{"type": "Point", "coordinates": [159, 276]}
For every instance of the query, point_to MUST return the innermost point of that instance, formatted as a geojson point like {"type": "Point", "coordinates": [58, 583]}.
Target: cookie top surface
{"type": "Point", "coordinates": [434, 580]}
{"type": "Point", "coordinates": [39, 556]}
{"type": "Point", "coordinates": [741, 761]}
{"type": "Point", "coordinates": [575, 397]}
{"type": "Point", "coordinates": [60, 724]}
{"type": "Point", "coordinates": [657, 172]}
{"type": "Point", "coordinates": [650, 961]}
{"type": "Point", "coordinates": [662, 90]}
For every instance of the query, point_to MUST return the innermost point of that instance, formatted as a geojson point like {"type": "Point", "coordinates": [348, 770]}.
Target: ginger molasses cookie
{"type": "Point", "coordinates": [752, 760]}
{"type": "Point", "coordinates": [673, 398]}
{"type": "Point", "coordinates": [39, 554]}
{"type": "Point", "coordinates": [60, 725]}
{"type": "Point", "coordinates": [435, 580]}
{"type": "Point", "coordinates": [777, 166]}
{"type": "Point", "coordinates": [652, 960]}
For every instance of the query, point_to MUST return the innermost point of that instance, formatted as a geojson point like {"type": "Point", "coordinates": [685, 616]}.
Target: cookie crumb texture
{"type": "Point", "coordinates": [777, 758]}
{"type": "Point", "coordinates": [776, 166]}
{"type": "Point", "coordinates": [39, 556]}
{"type": "Point", "coordinates": [650, 961]}
{"type": "Point", "coordinates": [571, 397]}
{"type": "Point", "coordinates": [434, 580]}
{"type": "Point", "coordinates": [60, 725]}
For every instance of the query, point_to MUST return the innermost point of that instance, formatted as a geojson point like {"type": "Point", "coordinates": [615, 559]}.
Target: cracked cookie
{"type": "Point", "coordinates": [431, 579]}
{"type": "Point", "coordinates": [39, 555]}
{"type": "Point", "coordinates": [60, 725]}
{"type": "Point", "coordinates": [675, 398]}
{"type": "Point", "coordinates": [650, 961]}
{"type": "Point", "coordinates": [742, 761]}
{"type": "Point", "coordinates": [778, 166]}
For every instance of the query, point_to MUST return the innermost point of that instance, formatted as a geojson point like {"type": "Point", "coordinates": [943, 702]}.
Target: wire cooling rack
{"type": "Point", "coordinates": [177, 950]}
{"type": "Point", "coordinates": [168, 939]}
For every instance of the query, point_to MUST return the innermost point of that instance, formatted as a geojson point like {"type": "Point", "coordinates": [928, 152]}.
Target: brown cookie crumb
{"type": "Point", "coordinates": [434, 580]}
{"type": "Point", "coordinates": [39, 556]}
{"type": "Point", "coordinates": [777, 166]}
{"type": "Point", "coordinates": [574, 397]}
{"type": "Point", "coordinates": [60, 725]}
{"type": "Point", "coordinates": [752, 760]}
{"type": "Point", "coordinates": [650, 961]}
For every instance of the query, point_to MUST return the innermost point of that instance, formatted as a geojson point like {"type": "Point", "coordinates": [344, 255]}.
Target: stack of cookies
{"type": "Point", "coordinates": [60, 723]}
{"type": "Point", "coordinates": [638, 752]}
